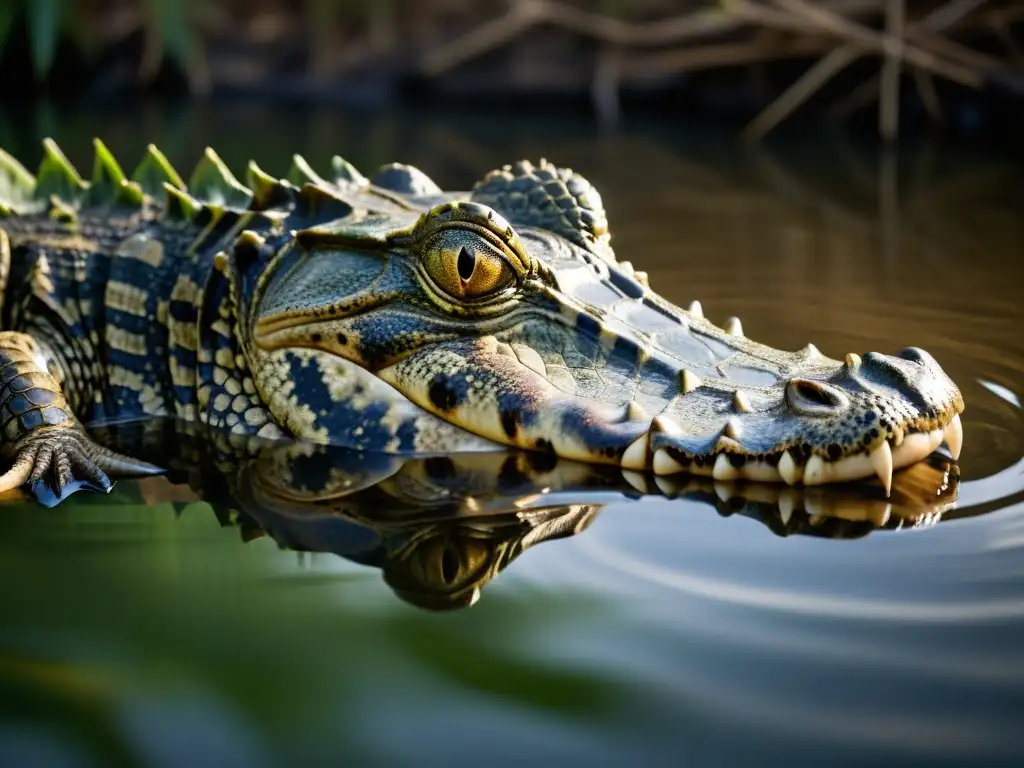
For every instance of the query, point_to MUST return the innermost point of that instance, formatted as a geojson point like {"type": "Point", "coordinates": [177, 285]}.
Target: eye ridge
{"type": "Point", "coordinates": [466, 264]}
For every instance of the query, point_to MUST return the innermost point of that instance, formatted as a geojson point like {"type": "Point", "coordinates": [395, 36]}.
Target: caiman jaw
{"type": "Point", "coordinates": [788, 465]}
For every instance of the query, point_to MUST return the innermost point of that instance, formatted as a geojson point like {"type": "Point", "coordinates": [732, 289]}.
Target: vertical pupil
{"type": "Point", "coordinates": [467, 263]}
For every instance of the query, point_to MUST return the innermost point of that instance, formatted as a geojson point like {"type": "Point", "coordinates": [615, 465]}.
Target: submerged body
{"type": "Point", "coordinates": [386, 315]}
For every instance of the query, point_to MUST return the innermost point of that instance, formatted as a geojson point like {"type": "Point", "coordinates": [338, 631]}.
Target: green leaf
{"type": "Point", "coordinates": [44, 22]}
{"type": "Point", "coordinates": [171, 17]}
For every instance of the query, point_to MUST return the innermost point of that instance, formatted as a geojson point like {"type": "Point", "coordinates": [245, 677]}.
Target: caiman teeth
{"type": "Point", "coordinates": [733, 326]}
{"type": "Point", "coordinates": [881, 460]}
{"type": "Point", "coordinates": [724, 470]}
{"type": "Point", "coordinates": [635, 456]}
{"type": "Point", "coordinates": [696, 309]}
{"type": "Point", "coordinates": [853, 361]}
{"type": "Point", "coordinates": [810, 352]}
{"type": "Point", "coordinates": [788, 469]}
{"type": "Point", "coordinates": [664, 464]}
{"type": "Point", "coordinates": [953, 436]}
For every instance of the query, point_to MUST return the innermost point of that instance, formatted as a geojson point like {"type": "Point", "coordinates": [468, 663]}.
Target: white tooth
{"type": "Point", "coordinates": [635, 456]}
{"type": "Point", "coordinates": [734, 327]}
{"type": "Point", "coordinates": [665, 464]}
{"type": "Point", "coordinates": [636, 479]}
{"type": "Point", "coordinates": [853, 360]}
{"type": "Point", "coordinates": [696, 309]}
{"type": "Point", "coordinates": [741, 402]}
{"type": "Point", "coordinates": [690, 381]}
{"type": "Point", "coordinates": [935, 438]}
{"type": "Point", "coordinates": [641, 277]}
{"type": "Point", "coordinates": [810, 352]}
{"type": "Point", "coordinates": [788, 469]}
{"type": "Point", "coordinates": [814, 472]}
{"type": "Point", "coordinates": [732, 429]}
{"type": "Point", "coordinates": [787, 503]}
{"type": "Point", "coordinates": [635, 411]}
{"type": "Point", "coordinates": [881, 461]}
{"type": "Point", "coordinates": [953, 435]}
{"type": "Point", "coordinates": [724, 470]}
{"type": "Point", "coordinates": [666, 424]}
{"type": "Point", "coordinates": [626, 267]}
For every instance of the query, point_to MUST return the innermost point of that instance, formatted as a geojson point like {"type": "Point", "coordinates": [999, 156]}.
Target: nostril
{"type": "Point", "coordinates": [813, 397]}
{"type": "Point", "coordinates": [915, 354]}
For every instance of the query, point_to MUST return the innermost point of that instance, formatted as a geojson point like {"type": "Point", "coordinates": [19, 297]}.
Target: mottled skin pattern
{"type": "Point", "coordinates": [384, 314]}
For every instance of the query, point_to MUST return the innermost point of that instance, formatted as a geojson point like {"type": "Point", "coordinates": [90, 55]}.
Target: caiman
{"type": "Point", "coordinates": [386, 315]}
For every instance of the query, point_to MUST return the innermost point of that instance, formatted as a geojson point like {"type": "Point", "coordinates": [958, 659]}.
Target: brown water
{"type": "Point", "coordinates": [667, 631]}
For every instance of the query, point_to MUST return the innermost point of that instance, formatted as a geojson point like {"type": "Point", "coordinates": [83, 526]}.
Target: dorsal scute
{"type": "Point", "coordinates": [547, 197]}
{"type": "Point", "coordinates": [212, 182]}
{"type": "Point", "coordinates": [109, 185]}
{"type": "Point", "coordinates": [269, 192]}
{"type": "Point", "coordinates": [57, 177]}
{"type": "Point", "coordinates": [404, 179]}
{"type": "Point", "coordinates": [17, 187]}
{"type": "Point", "coordinates": [154, 171]}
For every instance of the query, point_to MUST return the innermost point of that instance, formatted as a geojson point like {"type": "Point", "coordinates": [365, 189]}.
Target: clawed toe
{"type": "Point", "coordinates": [56, 463]}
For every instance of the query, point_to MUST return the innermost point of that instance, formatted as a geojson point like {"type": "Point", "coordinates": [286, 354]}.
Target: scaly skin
{"type": "Point", "coordinates": [387, 315]}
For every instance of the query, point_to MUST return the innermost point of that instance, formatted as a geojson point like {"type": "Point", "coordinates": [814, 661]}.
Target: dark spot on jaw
{"type": "Point", "coordinates": [441, 394]}
{"type": "Point", "coordinates": [737, 459]}
{"type": "Point", "coordinates": [511, 476]}
{"type": "Point", "coordinates": [342, 339]}
{"type": "Point", "coordinates": [542, 462]}
{"type": "Point", "coordinates": [834, 452]}
{"type": "Point", "coordinates": [439, 468]}
{"type": "Point", "coordinates": [773, 459]}
{"type": "Point", "coordinates": [316, 338]}
{"type": "Point", "coordinates": [510, 423]}
{"type": "Point", "coordinates": [681, 458]}
{"type": "Point", "coordinates": [545, 446]}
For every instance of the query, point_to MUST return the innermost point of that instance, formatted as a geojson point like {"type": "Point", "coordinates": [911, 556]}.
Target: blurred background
{"type": "Point", "coordinates": [955, 63]}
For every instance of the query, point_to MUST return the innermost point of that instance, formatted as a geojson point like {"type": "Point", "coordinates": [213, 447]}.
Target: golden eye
{"type": "Point", "coordinates": [465, 265]}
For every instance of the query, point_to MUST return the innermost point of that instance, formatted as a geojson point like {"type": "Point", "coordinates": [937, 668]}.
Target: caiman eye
{"type": "Point", "coordinates": [465, 265]}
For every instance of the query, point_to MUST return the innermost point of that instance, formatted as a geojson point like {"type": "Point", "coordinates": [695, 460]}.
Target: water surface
{"type": "Point", "coordinates": [149, 627]}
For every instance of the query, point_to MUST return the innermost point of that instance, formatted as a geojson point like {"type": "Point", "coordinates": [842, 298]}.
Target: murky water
{"type": "Point", "coordinates": [720, 625]}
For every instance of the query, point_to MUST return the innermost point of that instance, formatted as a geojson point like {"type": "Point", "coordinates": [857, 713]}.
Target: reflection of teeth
{"type": "Point", "coordinates": [723, 491]}
{"type": "Point", "coordinates": [636, 479]}
{"type": "Point", "coordinates": [953, 435]}
{"type": "Point", "coordinates": [787, 503]}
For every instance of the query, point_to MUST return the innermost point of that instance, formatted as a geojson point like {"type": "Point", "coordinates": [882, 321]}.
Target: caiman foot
{"type": "Point", "coordinates": [55, 462]}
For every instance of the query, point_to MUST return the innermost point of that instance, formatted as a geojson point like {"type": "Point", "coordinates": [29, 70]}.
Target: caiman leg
{"type": "Point", "coordinates": [50, 450]}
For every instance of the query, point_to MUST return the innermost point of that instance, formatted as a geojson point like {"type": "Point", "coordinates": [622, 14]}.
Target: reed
{"type": "Point", "coordinates": [623, 43]}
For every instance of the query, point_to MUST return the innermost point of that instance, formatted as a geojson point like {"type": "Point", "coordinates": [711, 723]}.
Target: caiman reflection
{"type": "Point", "coordinates": [441, 528]}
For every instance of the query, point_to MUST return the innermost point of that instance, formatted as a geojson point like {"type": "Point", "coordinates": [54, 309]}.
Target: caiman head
{"type": "Point", "coordinates": [425, 322]}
